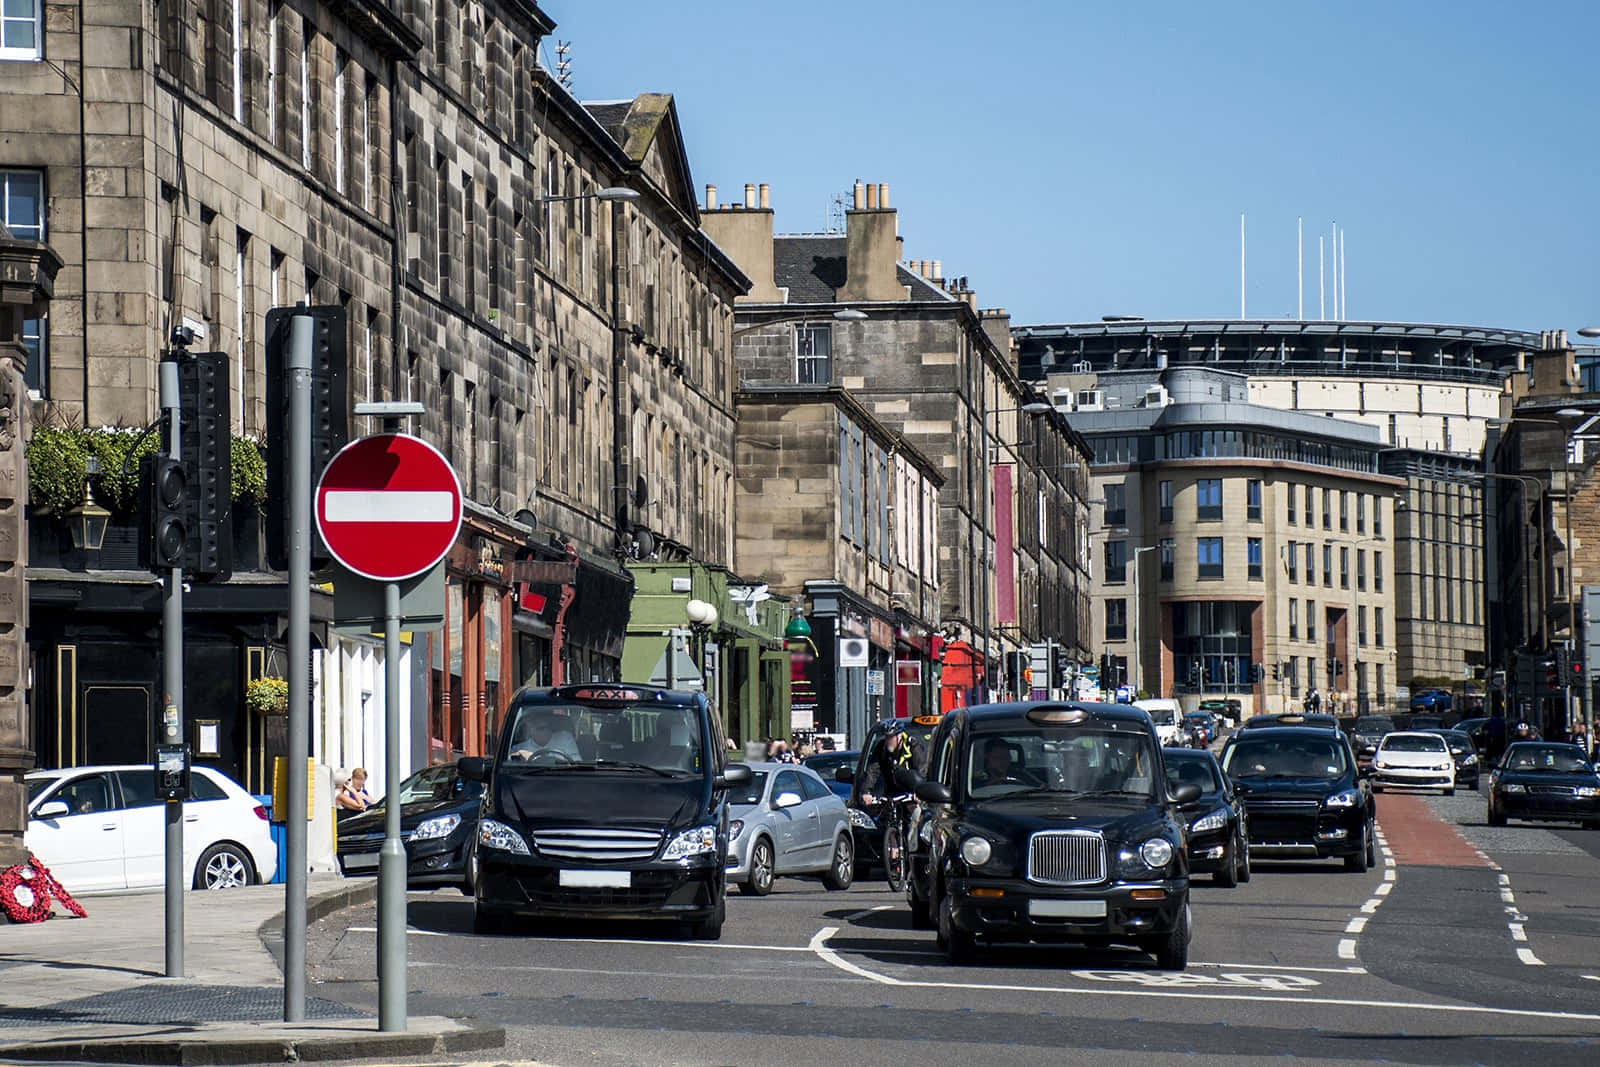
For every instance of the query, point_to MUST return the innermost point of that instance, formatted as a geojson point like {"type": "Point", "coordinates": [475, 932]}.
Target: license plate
{"type": "Point", "coordinates": [1067, 909]}
{"type": "Point", "coordinates": [361, 861]}
{"type": "Point", "coordinates": [596, 879]}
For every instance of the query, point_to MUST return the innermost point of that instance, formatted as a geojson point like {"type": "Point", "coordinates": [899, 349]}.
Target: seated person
{"type": "Point", "coordinates": [673, 746]}
{"type": "Point", "coordinates": [540, 735]}
{"type": "Point", "coordinates": [998, 767]}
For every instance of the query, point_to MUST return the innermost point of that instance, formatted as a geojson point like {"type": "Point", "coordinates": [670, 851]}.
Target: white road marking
{"type": "Point", "coordinates": [349, 505]}
{"type": "Point", "coordinates": [1388, 874]}
{"type": "Point", "coordinates": [1278, 967]}
{"type": "Point", "coordinates": [1384, 888]}
{"type": "Point", "coordinates": [1372, 905]}
{"type": "Point", "coordinates": [819, 945]}
{"type": "Point", "coordinates": [854, 915]}
{"type": "Point", "coordinates": [1591, 977]}
{"type": "Point", "coordinates": [1358, 924]}
{"type": "Point", "coordinates": [1508, 896]}
{"type": "Point", "coordinates": [1347, 949]}
{"type": "Point", "coordinates": [1518, 933]}
{"type": "Point", "coordinates": [1505, 879]}
{"type": "Point", "coordinates": [1526, 956]}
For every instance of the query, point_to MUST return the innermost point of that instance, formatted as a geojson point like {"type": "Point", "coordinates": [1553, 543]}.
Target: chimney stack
{"type": "Point", "coordinates": [766, 191]}
{"type": "Point", "coordinates": [711, 197]}
{"type": "Point", "coordinates": [744, 233]}
{"type": "Point", "coordinates": [872, 248]}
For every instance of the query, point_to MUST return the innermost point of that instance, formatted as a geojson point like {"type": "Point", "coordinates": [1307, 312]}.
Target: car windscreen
{"type": "Point", "coordinates": [1278, 757]}
{"type": "Point", "coordinates": [825, 765]}
{"type": "Point", "coordinates": [1192, 770]}
{"type": "Point", "coordinates": [1560, 759]}
{"type": "Point", "coordinates": [666, 739]}
{"type": "Point", "coordinates": [749, 793]}
{"type": "Point", "coordinates": [1065, 760]}
{"type": "Point", "coordinates": [1405, 743]}
{"type": "Point", "coordinates": [1374, 724]}
{"type": "Point", "coordinates": [440, 782]}
{"type": "Point", "coordinates": [1160, 716]}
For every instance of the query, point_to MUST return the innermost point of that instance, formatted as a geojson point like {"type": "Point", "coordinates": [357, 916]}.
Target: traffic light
{"type": "Point", "coordinates": [330, 418]}
{"type": "Point", "coordinates": [1551, 673]}
{"type": "Point", "coordinates": [1277, 671]}
{"type": "Point", "coordinates": [1258, 673]}
{"type": "Point", "coordinates": [205, 447]}
{"type": "Point", "coordinates": [163, 498]}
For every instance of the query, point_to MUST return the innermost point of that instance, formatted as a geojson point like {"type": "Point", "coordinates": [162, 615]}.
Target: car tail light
{"type": "Point", "coordinates": [261, 813]}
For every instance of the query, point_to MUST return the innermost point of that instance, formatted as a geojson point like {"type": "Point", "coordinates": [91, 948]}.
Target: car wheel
{"type": "Point", "coordinates": [1494, 817]}
{"type": "Point", "coordinates": [223, 866]}
{"type": "Point", "coordinates": [759, 884]}
{"type": "Point", "coordinates": [894, 858]}
{"type": "Point", "coordinates": [1450, 792]}
{"type": "Point", "coordinates": [843, 870]}
{"type": "Point", "coordinates": [1358, 860]}
{"type": "Point", "coordinates": [960, 946]}
{"type": "Point", "coordinates": [1372, 847]}
{"type": "Point", "coordinates": [1172, 951]}
{"type": "Point", "coordinates": [921, 917]}
{"type": "Point", "coordinates": [1227, 875]}
{"type": "Point", "coordinates": [710, 928]}
{"type": "Point", "coordinates": [485, 921]}
{"type": "Point", "coordinates": [469, 883]}
{"type": "Point", "coordinates": [1243, 849]}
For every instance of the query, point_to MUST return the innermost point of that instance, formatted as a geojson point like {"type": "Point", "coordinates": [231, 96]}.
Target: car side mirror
{"type": "Point", "coordinates": [733, 774]}
{"type": "Point", "coordinates": [847, 775]}
{"type": "Point", "coordinates": [52, 809]}
{"type": "Point", "coordinates": [785, 800]}
{"type": "Point", "coordinates": [933, 792]}
{"type": "Point", "coordinates": [473, 768]}
{"type": "Point", "coordinates": [1186, 794]}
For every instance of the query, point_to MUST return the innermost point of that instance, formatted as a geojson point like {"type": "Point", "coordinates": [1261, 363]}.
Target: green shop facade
{"type": "Point", "coordinates": [696, 627]}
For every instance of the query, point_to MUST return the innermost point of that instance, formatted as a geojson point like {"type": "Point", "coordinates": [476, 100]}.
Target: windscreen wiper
{"type": "Point", "coordinates": [606, 765]}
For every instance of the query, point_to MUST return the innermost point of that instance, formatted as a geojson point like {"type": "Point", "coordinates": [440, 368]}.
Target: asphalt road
{"type": "Point", "coordinates": [1489, 955]}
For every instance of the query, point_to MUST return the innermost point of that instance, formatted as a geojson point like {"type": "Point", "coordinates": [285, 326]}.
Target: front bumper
{"type": "Point", "coordinates": [532, 886]}
{"type": "Point", "coordinates": [1304, 830]}
{"type": "Point", "coordinates": [432, 861]}
{"type": "Point", "coordinates": [1093, 913]}
{"type": "Point", "coordinates": [1548, 807]}
{"type": "Point", "coordinates": [1208, 850]}
{"type": "Point", "coordinates": [1414, 778]}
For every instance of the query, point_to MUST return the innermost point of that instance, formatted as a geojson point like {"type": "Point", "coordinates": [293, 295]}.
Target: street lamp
{"type": "Point", "coordinates": [89, 519]}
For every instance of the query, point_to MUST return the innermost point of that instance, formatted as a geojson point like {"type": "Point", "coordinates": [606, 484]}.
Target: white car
{"type": "Point", "coordinates": [1408, 759]}
{"type": "Point", "coordinates": [100, 829]}
{"type": "Point", "coordinates": [1166, 714]}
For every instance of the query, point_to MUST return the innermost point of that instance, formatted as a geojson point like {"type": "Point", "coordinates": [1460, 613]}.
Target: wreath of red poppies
{"type": "Point", "coordinates": [42, 889]}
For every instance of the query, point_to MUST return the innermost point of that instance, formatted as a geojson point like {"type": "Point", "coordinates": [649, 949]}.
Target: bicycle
{"type": "Point", "coordinates": [896, 817]}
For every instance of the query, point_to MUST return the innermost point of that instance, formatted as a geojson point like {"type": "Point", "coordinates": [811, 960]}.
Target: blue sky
{"type": "Point", "coordinates": [1077, 159]}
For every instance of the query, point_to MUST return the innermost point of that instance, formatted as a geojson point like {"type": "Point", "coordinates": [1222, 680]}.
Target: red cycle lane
{"type": "Point", "coordinates": [1419, 838]}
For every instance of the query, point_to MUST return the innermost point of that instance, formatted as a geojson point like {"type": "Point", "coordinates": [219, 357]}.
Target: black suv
{"type": "Point", "coordinates": [1303, 794]}
{"type": "Point", "coordinates": [1051, 822]}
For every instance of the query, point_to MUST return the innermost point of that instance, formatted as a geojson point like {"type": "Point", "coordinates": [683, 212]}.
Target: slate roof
{"type": "Point", "coordinates": [609, 113]}
{"type": "Point", "coordinates": [812, 268]}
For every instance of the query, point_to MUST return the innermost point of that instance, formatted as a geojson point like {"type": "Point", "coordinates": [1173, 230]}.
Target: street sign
{"type": "Point", "coordinates": [388, 507]}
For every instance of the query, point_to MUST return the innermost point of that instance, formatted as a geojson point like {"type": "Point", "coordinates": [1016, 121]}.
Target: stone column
{"type": "Point", "coordinates": [27, 280]}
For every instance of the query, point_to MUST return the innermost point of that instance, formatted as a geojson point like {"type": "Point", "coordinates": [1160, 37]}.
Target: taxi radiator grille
{"type": "Point", "coordinates": [597, 844]}
{"type": "Point", "coordinates": [1067, 857]}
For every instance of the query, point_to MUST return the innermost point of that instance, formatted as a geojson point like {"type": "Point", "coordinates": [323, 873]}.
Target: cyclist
{"type": "Point", "coordinates": [893, 772]}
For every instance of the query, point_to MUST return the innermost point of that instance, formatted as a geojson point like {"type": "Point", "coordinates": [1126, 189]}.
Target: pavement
{"type": "Point", "coordinates": [95, 989]}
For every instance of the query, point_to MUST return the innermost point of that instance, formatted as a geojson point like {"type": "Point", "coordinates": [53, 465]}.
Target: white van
{"type": "Point", "coordinates": [1166, 713]}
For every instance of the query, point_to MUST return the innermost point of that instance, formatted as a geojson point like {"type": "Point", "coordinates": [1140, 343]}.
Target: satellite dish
{"type": "Point", "coordinates": [645, 540]}
{"type": "Point", "coordinates": [641, 492]}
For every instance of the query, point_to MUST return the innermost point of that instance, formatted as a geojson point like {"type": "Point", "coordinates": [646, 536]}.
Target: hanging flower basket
{"type": "Point", "coordinates": [267, 696]}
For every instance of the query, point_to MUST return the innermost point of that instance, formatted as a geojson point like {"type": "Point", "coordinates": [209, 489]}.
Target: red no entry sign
{"type": "Point", "coordinates": [388, 506]}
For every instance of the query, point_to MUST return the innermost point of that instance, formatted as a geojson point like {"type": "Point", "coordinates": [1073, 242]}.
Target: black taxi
{"type": "Point", "coordinates": [1051, 822]}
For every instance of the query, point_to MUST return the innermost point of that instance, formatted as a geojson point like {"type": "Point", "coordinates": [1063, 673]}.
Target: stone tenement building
{"type": "Point", "coordinates": [846, 309]}
{"type": "Point", "coordinates": [413, 164]}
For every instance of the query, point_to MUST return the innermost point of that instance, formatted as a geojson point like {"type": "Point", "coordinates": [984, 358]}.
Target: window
{"type": "Point", "coordinates": [1361, 625]}
{"type": "Point", "coordinates": [1327, 510]}
{"type": "Point", "coordinates": [1377, 516]}
{"type": "Point", "coordinates": [1344, 567]}
{"type": "Point", "coordinates": [20, 32]}
{"type": "Point", "coordinates": [1116, 561]}
{"type": "Point", "coordinates": [1208, 498]}
{"type": "Point", "coordinates": [339, 64]}
{"type": "Point", "coordinates": [1291, 559]}
{"type": "Point", "coordinates": [1294, 619]}
{"type": "Point", "coordinates": [1116, 620]}
{"type": "Point", "coordinates": [1116, 503]}
{"type": "Point", "coordinates": [1289, 496]}
{"type": "Point", "coordinates": [22, 211]}
{"type": "Point", "coordinates": [1311, 667]}
{"type": "Point", "coordinates": [1361, 513]}
{"type": "Point", "coordinates": [1383, 693]}
{"type": "Point", "coordinates": [1344, 510]}
{"type": "Point", "coordinates": [1168, 553]}
{"type": "Point", "coordinates": [1293, 667]}
{"type": "Point", "coordinates": [1252, 558]}
{"type": "Point", "coordinates": [1311, 516]}
{"type": "Point", "coordinates": [1311, 563]}
{"type": "Point", "coordinates": [1166, 501]}
{"type": "Point", "coordinates": [1210, 556]}
{"type": "Point", "coordinates": [1252, 500]}
{"type": "Point", "coordinates": [1361, 566]}
{"type": "Point", "coordinates": [1311, 624]}
{"type": "Point", "coordinates": [1377, 634]}
{"type": "Point", "coordinates": [813, 354]}
{"type": "Point", "coordinates": [1327, 565]}
{"type": "Point", "coordinates": [306, 34]}
{"type": "Point", "coordinates": [1377, 571]}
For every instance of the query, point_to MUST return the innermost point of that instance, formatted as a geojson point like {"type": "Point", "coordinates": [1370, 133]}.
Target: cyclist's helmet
{"type": "Point", "coordinates": [895, 727]}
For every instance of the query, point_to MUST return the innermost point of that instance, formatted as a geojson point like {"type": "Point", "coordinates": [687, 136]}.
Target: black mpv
{"type": "Point", "coordinates": [1304, 796]}
{"type": "Point", "coordinates": [1050, 822]}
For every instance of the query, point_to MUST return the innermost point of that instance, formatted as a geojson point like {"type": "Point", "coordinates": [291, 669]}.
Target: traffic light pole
{"type": "Point", "coordinates": [301, 338]}
{"type": "Point", "coordinates": [172, 682]}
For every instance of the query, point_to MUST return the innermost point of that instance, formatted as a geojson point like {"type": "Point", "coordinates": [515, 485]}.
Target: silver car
{"type": "Point", "coordinates": [786, 820]}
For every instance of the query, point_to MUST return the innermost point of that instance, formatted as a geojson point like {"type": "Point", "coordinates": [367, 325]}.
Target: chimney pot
{"type": "Point", "coordinates": [711, 197]}
{"type": "Point", "coordinates": [938, 270]}
{"type": "Point", "coordinates": [883, 195]}
{"type": "Point", "coordinates": [765, 192]}
{"type": "Point", "coordinates": [860, 196]}
{"type": "Point", "coordinates": [872, 197]}
{"type": "Point", "coordinates": [749, 195]}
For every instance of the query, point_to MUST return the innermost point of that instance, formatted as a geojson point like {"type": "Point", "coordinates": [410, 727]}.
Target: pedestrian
{"type": "Point", "coordinates": [352, 795]}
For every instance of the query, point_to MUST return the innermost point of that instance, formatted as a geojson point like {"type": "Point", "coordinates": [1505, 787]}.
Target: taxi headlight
{"type": "Point", "coordinates": [1214, 821]}
{"type": "Point", "coordinates": [1513, 787]}
{"type": "Point", "coordinates": [696, 841]}
{"type": "Point", "coordinates": [861, 820]}
{"type": "Point", "coordinates": [1469, 761]}
{"type": "Point", "coordinates": [1347, 799]}
{"type": "Point", "coordinates": [1587, 791]}
{"type": "Point", "coordinates": [497, 835]}
{"type": "Point", "coordinates": [438, 826]}
{"type": "Point", "coordinates": [1156, 852]}
{"type": "Point", "coordinates": [976, 851]}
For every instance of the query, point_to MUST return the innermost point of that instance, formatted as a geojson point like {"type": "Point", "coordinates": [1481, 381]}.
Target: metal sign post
{"type": "Point", "coordinates": [392, 858]}
{"type": "Point", "coordinates": [172, 681]}
{"type": "Point", "coordinates": [301, 337]}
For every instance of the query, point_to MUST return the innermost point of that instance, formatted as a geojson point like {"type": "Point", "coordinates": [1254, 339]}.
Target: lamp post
{"type": "Point", "coordinates": [88, 518]}
{"type": "Point", "coordinates": [702, 617]}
